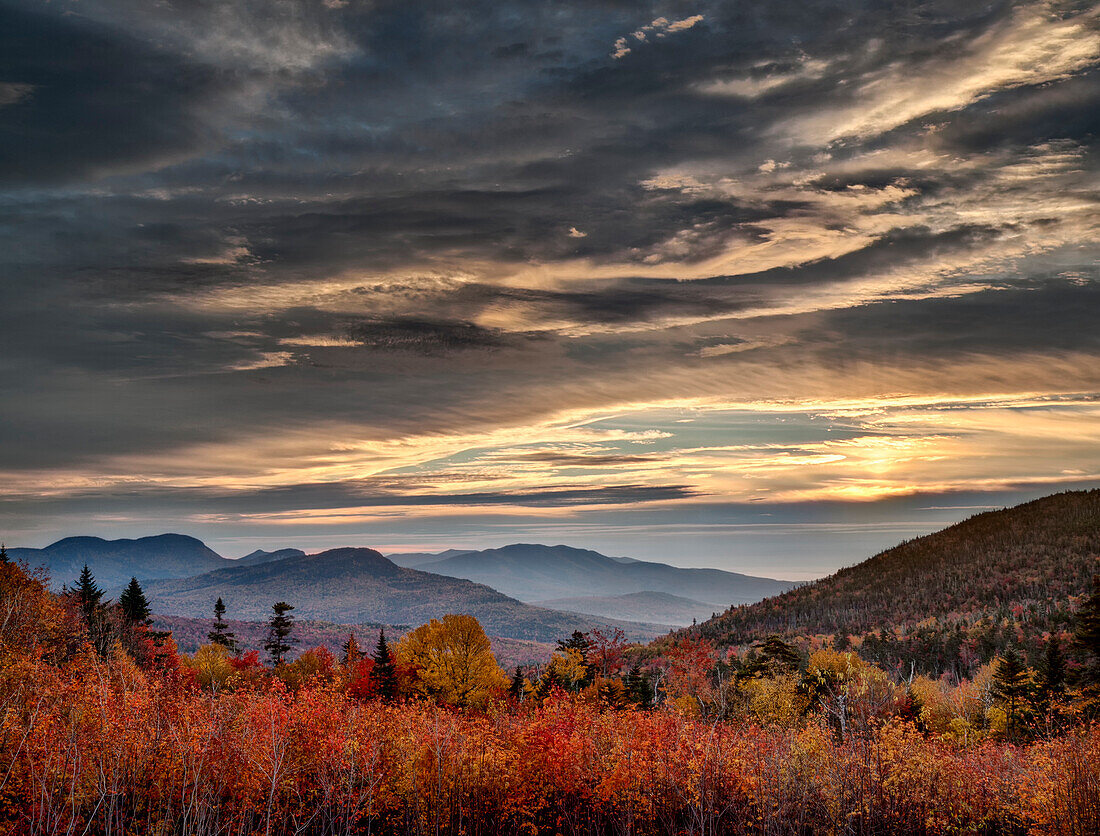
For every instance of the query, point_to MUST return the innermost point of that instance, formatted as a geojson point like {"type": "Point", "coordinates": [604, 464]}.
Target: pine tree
{"type": "Point", "coordinates": [134, 605]}
{"type": "Point", "coordinates": [279, 640]}
{"type": "Point", "coordinates": [515, 687]}
{"type": "Point", "coordinates": [220, 633]}
{"type": "Point", "coordinates": [577, 641]}
{"type": "Point", "coordinates": [93, 610]}
{"type": "Point", "coordinates": [1052, 671]}
{"type": "Point", "coordinates": [384, 668]}
{"type": "Point", "coordinates": [3, 553]}
{"type": "Point", "coordinates": [352, 653]}
{"type": "Point", "coordinates": [88, 594]}
{"type": "Point", "coordinates": [551, 679]}
{"type": "Point", "coordinates": [1011, 683]}
{"type": "Point", "coordinates": [775, 656]}
{"type": "Point", "coordinates": [1086, 647]}
{"type": "Point", "coordinates": [637, 686]}
{"type": "Point", "coordinates": [583, 644]}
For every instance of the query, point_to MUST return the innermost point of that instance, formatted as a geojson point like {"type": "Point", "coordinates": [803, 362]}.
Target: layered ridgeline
{"type": "Point", "coordinates": [260, 556]}
{"type": "Point", "coordinates": [586, 581]}
{"type": "Point", "coordinates": [950, 600]}
{"type": "Point", "coordinates": [114, 562]}
{"type": "Point", "coordinates": [659, 607]}
{"type": "Point", "coordinates": [356, 585]}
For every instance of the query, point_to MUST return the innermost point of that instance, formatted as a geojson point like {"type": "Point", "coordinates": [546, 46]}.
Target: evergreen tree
{"type": "Point", "coordinates": [3, 553]}
{"type": "Point", "coordinates": [637, 686]}
{"type": "Point", "coordinates": [580, 642]}
{"type": "Point", "coordinates": [774, 656]}
{"type": "Point", "coordinates": [220, 633]}
{"type": "Point", "coordinates": [1086, 647]}
{"type": "Point", "coordinates": [385, 671]}
{"type": "Point", "coordinates": [88, 594]}
{"type": "Point", "coordinates": [352, 653]}
{"type": "Point", "coordinates": [93, 610]}
{"type": "Point", "coordinates": [134, 606]}
{"type": "Point", "coordinates": [551, 678]}
{"type": "Point", "coordinates": [1011, 683]}
{"type": "Point", "coordinates": [279, 640]}
{"type": "Point", "coordinates": [1052, 671]}
{"type": "Point", "coordinates": [577, 641]}
{"type": "Point", "coordinates": [515, 687]}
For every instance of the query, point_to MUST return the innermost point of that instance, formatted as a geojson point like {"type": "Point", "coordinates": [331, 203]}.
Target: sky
{"type": "Point", "coordinates": [766, 286]}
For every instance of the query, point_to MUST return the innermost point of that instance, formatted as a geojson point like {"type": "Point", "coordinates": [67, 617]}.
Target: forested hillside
{"type": "Point", "coordinates": [106, 728]}
{"type": "Point", "coordinates": [950, 600]}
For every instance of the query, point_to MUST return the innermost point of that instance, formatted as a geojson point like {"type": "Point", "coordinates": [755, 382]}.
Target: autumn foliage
{"type": "Point", "coordinates": [220, 744]}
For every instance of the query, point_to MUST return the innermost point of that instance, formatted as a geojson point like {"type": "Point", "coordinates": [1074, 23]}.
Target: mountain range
{"type": "Point", "coordinates": [660, 607]}
{"type": "Point", "coordinates": [356, 585]}
{"type": "Point", "coordinates": [537, 573]}
{"type": "Point", "coordinates": [114, 562]}
{"type": "Point", "coordinates": [653, 596]}
{"type": "Point", "coordinates": [949, 600]}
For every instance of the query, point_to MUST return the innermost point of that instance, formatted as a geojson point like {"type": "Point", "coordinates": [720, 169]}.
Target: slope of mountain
{"type": "Point", "coordinates": [658, 607]}
{"type": "Point", "coordinates": [114, 562]}
{"type": "Point", "coordinates": [536, 573]}
{"type": "Point", "coordinates": [259, 556]}
{"type": "Point", "coordinates": [354, 586]}
{"type": "Point", "coordinates": [998, 578]}
{"type": "Point", "coordinates": [418, 560]}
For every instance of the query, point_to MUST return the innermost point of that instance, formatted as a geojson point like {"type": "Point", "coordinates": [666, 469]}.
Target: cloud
{"type": "Point", "coordinates": [427, 336]}
{"type": "Point", "coordinates": [1033, 46]}
{"type": "Point", "coordinates": [247, 247]}
{"type": "Point", "coordinates": [658, 28]}
{"type": "Point", "coordinates": [13, 92]}
{"type": "Point", "coordinates": [762, 79]}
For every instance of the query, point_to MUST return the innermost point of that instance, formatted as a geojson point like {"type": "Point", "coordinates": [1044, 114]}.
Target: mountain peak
{"type": "Point", "coordinates": [535, 572]}
{"type": "Point", "coordinates": [358, 557]}
{"type": "Point", "coordinates": [260, 556]}
{"type": "Point", "coordinates": [114, 562]}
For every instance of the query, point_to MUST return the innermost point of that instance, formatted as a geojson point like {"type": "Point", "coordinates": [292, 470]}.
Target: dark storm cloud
{"type": "Point", "coordinates": [95, 100]}
{"type": "Point", "coordinates": [221, 221]}
{"type": "Point", "coordinates": [333, 497]}
{"type": "Point", "coordinates": [426, 336]}
{"type": "Point", "coordinates": [1045, 314]}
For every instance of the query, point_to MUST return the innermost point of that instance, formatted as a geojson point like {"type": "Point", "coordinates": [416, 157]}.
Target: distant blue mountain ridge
{"type": "Point", "coordinates": [559, 577]}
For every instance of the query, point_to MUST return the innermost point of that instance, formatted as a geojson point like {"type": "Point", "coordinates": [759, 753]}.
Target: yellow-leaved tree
{"type": "Point", "coordinates": [453, 661]}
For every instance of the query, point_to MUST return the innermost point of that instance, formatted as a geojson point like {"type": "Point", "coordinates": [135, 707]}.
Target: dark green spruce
{"type": "Point", "coordinates": [220, 632]}
{"type": "Point", "coordinates": [1086, 648]}
{"type": "Point", "coordinates": [134, 605]}
{"type": "Point", "coordinates": [385, 671]}
{"type": "Point", "coordinates": [1012, 687]}
{"type": "Point", "coordinates": [279, 640]}
{"type": "Point", "coordinates": [93, 610]}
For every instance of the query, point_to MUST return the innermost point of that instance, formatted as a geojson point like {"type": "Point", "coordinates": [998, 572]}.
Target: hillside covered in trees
{"type": "Point", "coordinates": [949, 601]}
{"type": "Point", "coordinates": [105, 727]}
